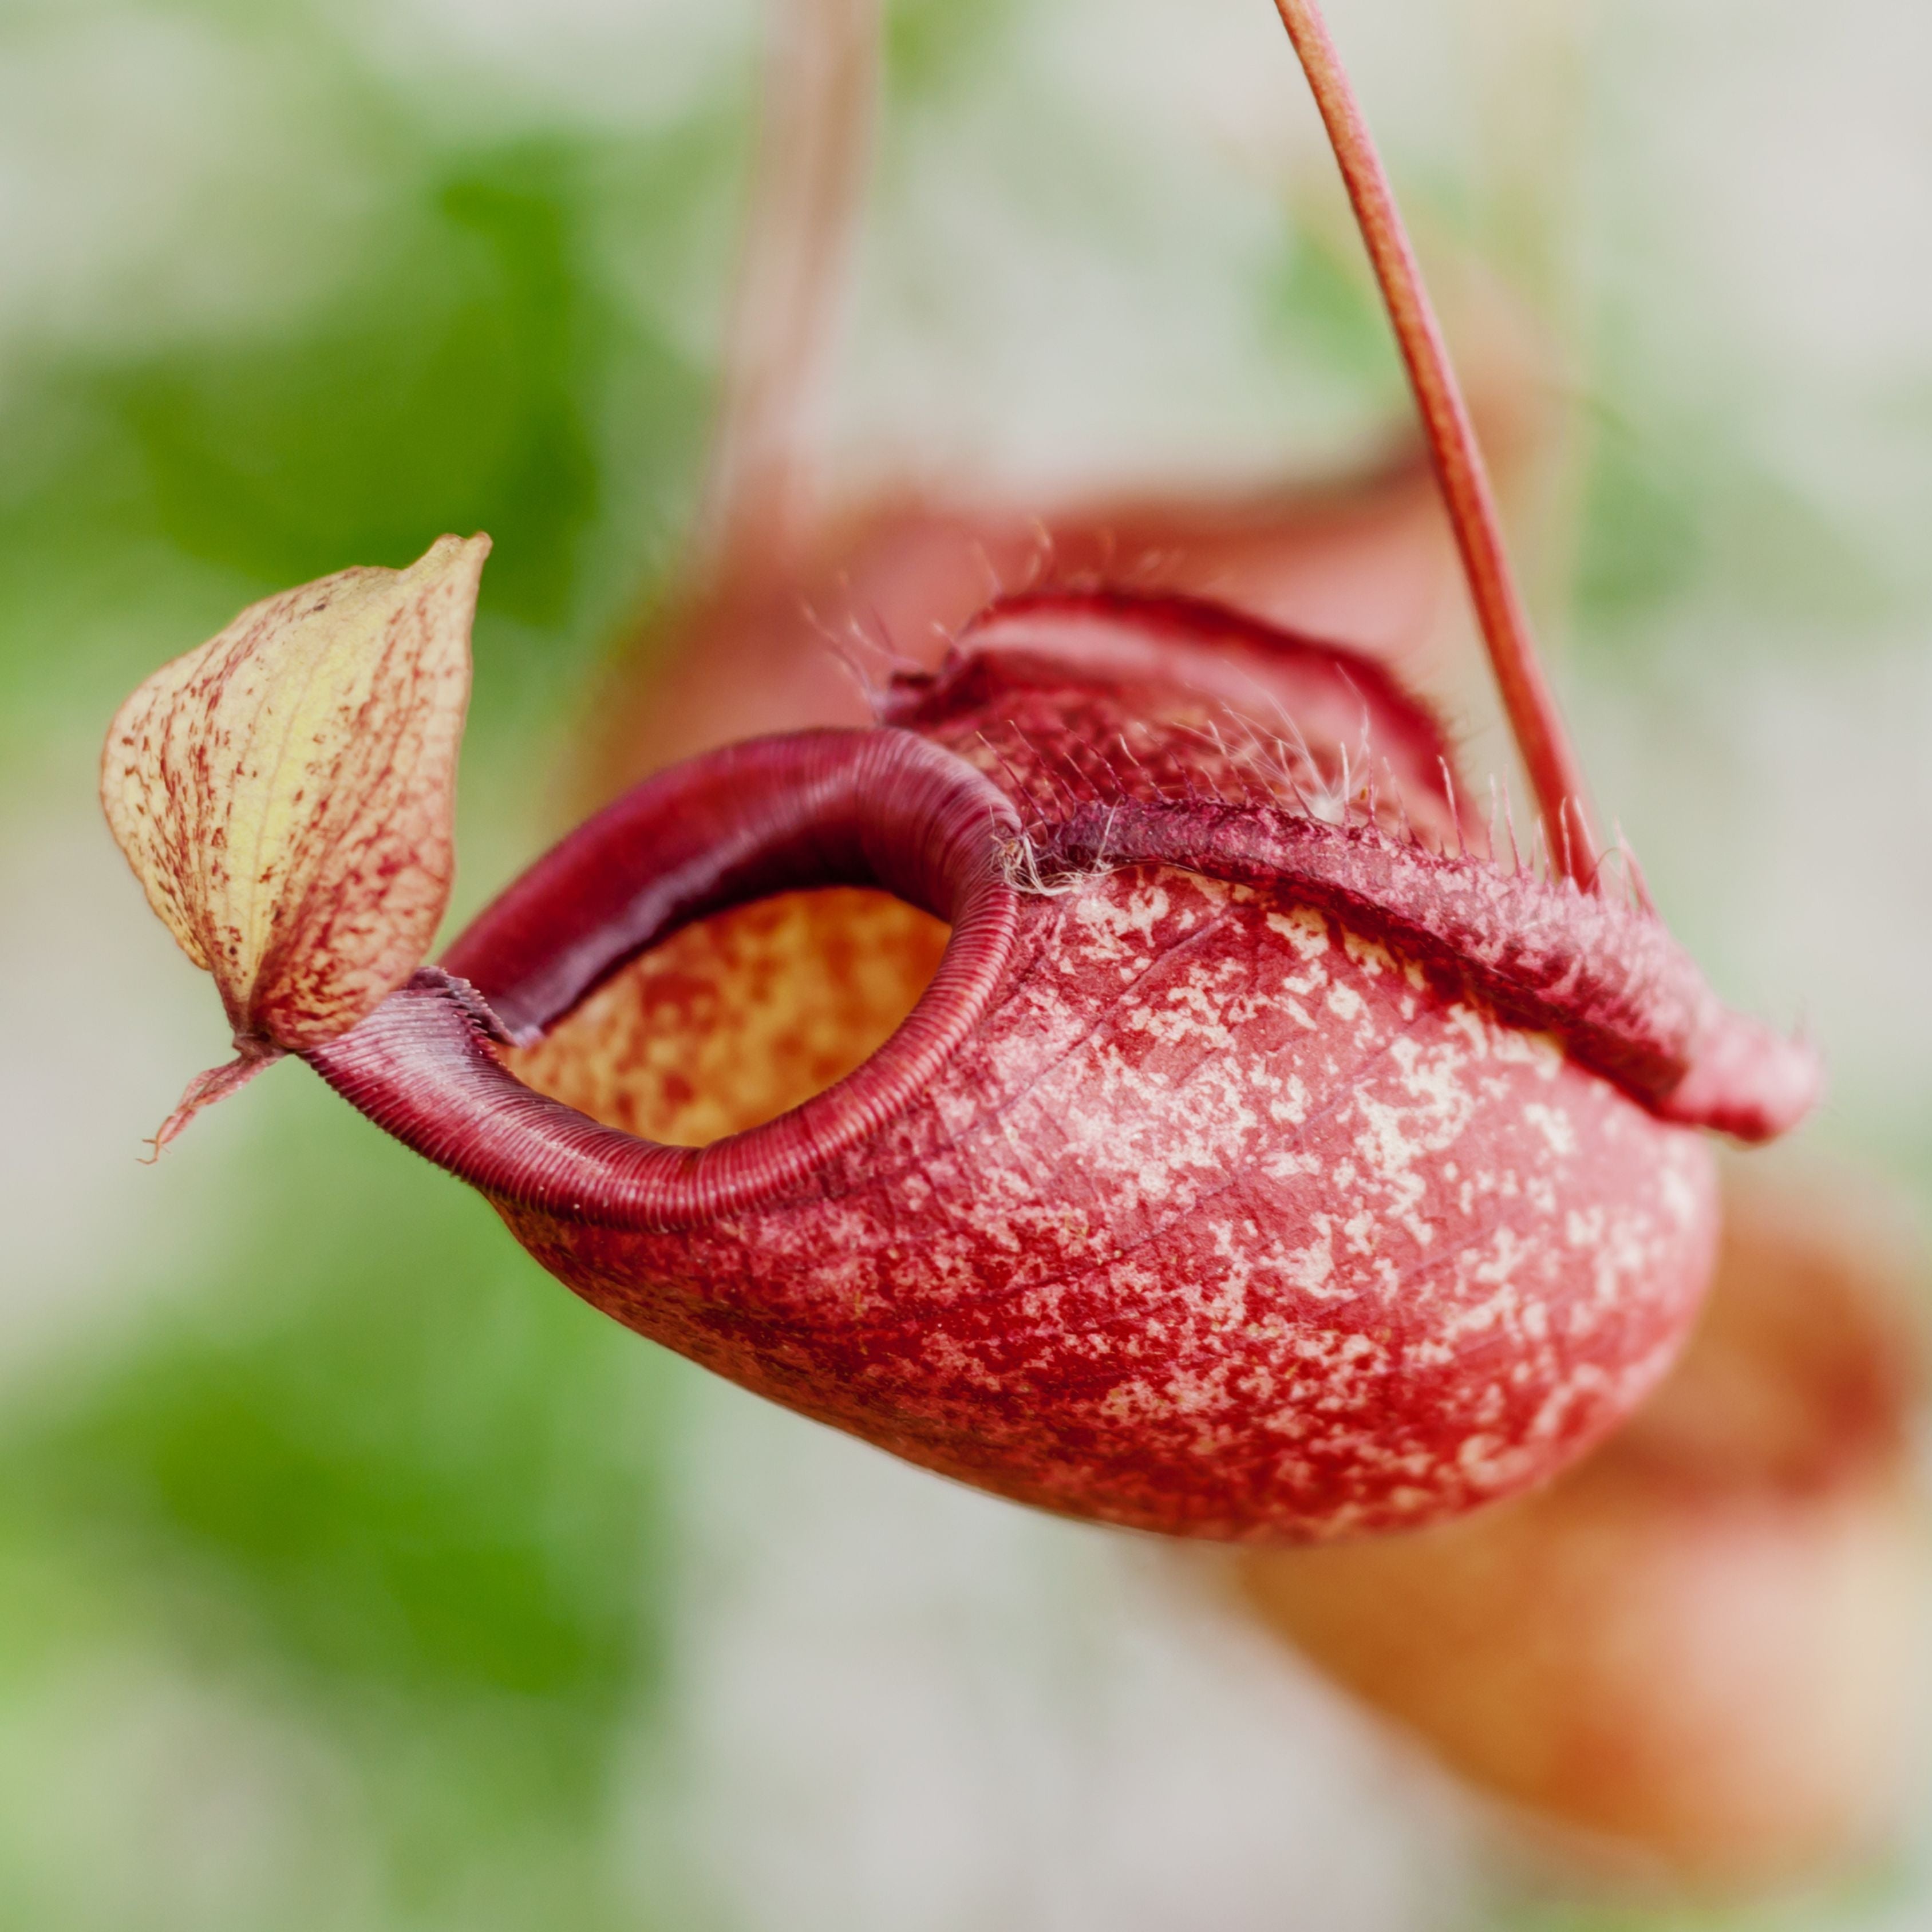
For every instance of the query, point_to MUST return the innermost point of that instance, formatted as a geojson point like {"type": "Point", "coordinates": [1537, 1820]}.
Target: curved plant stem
{"type": "Point", "coordinates": [1549, 758]}
{"type": "Point", "coordinates": [814, 132]}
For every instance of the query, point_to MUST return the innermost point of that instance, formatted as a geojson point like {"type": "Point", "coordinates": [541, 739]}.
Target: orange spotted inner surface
{"type": "Point", "coordinates": [741, 1017]}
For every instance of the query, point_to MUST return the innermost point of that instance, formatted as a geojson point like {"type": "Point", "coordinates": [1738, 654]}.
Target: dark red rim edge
{"type": "Point", "coordinates": [877, 808]}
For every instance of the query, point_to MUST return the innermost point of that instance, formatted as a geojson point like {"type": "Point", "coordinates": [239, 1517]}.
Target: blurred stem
{"type": "Point", "coordinates": [1542, 740]}
{"type": "Point", "coordinates": [814, 136]}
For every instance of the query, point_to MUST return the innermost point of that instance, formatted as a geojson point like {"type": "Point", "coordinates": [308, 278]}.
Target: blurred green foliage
{"type": "Point", "coordinates": [371, 1484]}
{"type": "Point", "coordinates": [1883, 1896]}
{"type": "Point", "coordinates": [446, 387]}
{"type": "Point", "coordinates": [1682, 505]}
{"type": "Point", "coordinates": [935, 47]}
{"type": "Point", "coordinates": [379, 1476]}
{"type": "Point", "coordinates": [1676, 509]}
{"type": "Point", "coordinates": [1321, 308]}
